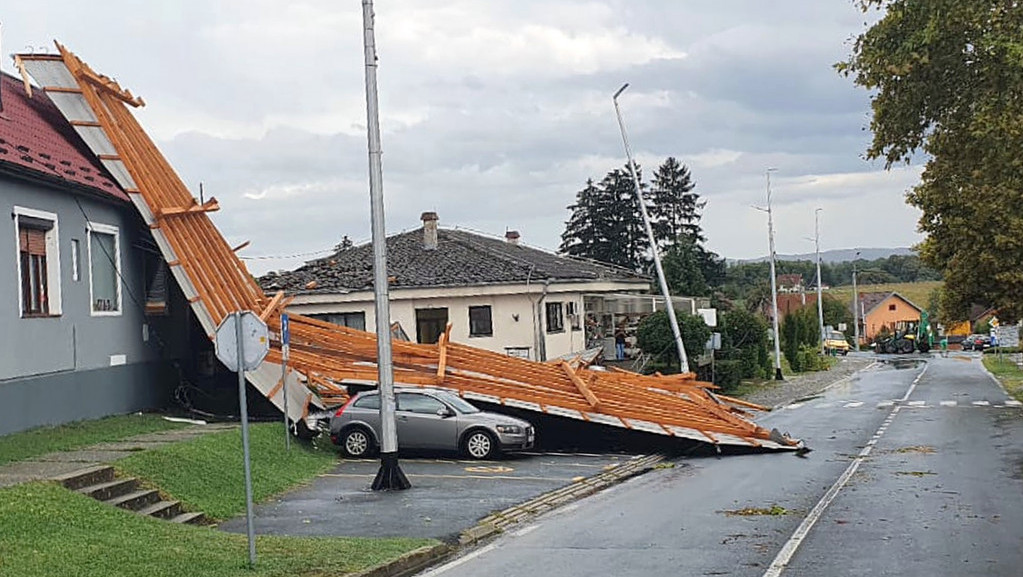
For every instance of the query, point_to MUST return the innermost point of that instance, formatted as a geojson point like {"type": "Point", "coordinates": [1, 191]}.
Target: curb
{"type": "Point", "coordinates": [409, 563]}
{"type": "Point", "coordinates": [496, 523]}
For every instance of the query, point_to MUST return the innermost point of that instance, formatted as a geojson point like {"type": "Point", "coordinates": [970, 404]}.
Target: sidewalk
{"type": "Point", "coordinates": [775, 393]}
{"type": "Point", "coordinates": [50, 465]}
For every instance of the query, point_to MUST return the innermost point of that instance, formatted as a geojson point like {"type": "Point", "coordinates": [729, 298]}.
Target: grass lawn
{"type": "Point", "coordinates": [35, 442]}
{"type": "Point", "coordinates": [207, 474]}
{"type": "Point", "coordinates": [918, 292]}
{"type": "Point", "coordinates": [1008, 373]}
{"type": "Point", "coordinates": [48, 530]}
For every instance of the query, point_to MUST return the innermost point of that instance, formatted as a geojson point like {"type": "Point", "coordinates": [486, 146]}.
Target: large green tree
{"type": "Point", "coordinates": [606, 224]}
{"type": "Point", "coordinates": [655, 338]}
{"type": "Point", "coordinates": [947, 80]}
{"type": "Point", "coordinates": [674, 208]}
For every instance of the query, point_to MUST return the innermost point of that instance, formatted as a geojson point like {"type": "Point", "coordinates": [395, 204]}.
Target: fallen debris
{"type": "Point", "coordinates": [773, 510]}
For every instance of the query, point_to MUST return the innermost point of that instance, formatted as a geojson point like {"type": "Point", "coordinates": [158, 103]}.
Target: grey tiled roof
{"type": "Point", "coordinates": [461, 259]}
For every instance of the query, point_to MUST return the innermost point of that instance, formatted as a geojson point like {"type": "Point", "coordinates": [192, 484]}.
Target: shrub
{"type": "Point", "coordinates": [654, 337]}
{"type": "Point", "coordinates": [727, 375]}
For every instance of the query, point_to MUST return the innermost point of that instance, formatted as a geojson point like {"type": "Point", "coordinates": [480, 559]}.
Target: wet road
{"type": "Point", "coordinates": [915, 471]}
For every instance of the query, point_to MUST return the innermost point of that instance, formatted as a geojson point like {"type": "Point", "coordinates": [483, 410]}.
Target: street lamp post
{"type": "Point", "coordinates": [820, 302]}
{"type": "Point", "coordinates": [774, 284]}
{"type": "Point", "coordinates": [856, 307]}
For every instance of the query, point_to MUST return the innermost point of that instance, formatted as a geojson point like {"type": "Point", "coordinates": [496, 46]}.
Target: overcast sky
{"type": "Point", "coordinates": [494, 113]}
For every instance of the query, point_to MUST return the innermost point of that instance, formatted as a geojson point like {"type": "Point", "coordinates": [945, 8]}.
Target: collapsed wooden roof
{"type": "Point", "coordinates": [324, 357]}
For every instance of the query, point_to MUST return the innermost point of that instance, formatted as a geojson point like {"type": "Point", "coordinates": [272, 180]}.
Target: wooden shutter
{"type": "Point", "coordinates": [33, 241]}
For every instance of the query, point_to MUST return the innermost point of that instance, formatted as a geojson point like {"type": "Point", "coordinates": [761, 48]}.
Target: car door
{"type": "Point", "coordinates": [421, 427]}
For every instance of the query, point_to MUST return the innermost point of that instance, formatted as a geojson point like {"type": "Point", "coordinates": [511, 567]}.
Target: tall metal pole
{"type": "Point", "coordinates": [774, 284]}
{"type": "Point", "coordinates": [390, 475]}
{"type": "Point", "coordinates": [820, 302]}
{"type": "Point", "coordinates": [856, 306]}
{"type": "Point", "coordinates": [683, 359]}
{"type": "Point", "coordinates": [243, 403]}
{"type": "Point", "coordinates": [285, 353]}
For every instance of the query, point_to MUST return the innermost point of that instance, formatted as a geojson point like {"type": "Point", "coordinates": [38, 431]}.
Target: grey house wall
{"type": "Point", "coordinates": [69, 367]}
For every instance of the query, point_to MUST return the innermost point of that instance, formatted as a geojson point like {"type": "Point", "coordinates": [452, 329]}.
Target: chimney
{"type": "Point", "coordinates": [429, 230]}
{"type": "Point", "coordinates": [512, 236]}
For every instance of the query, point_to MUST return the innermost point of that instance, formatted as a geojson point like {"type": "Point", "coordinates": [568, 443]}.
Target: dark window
{"type": "Point", "coordinates": [430, 325]}
{"type": "Point", "coordinates": [368, 402]}
{"type": "Point", "coordinates": [574, 316]}
{"type": "Point", "coordinates": [32, 249]}
{"type": "Point", "coordinates": [417, 403]}
{"type": "Point", "coordinates": [555, 320]}
{"type": "Point", "coordinates": [891, 307]}
{"type": "Point", "coordinates": [351, 320]}
{"type": "Point", "coordinates": [480, 322]}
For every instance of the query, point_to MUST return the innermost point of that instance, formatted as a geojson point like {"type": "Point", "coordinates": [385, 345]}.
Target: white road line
{"type": "Point", "coordinates": [526, 530]}
{"type": "Point", "coordinates": [781, 560]}
{"type": "Point", "coordinates": [1013, 403]}
{"type": "Point", "coordinates": [853, 405]}
{"type": "Point", "coordinates": [460, 561]}
{"type": "Point", "coordinates": [982, 403]}
{"type": "Point", "coordinates": [917, 403]}
{"type": "Point", "coordinates": [949, 403]}
{"type": "Point", "coordinates": [794, 406]}
{"type": "Point", "coordinates": [885, 404]}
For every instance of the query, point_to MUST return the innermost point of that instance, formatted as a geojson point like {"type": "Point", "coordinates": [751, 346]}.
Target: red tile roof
{"type": "Point", "coordinates": [35, 137]}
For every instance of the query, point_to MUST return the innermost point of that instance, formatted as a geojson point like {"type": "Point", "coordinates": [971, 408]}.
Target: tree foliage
{"type": "Point", "coordinates": [655, 338]}
{"type": "Point", "coordinates": [799, 332]}
{"type": "Point", "coordinates": [947, 79]}
{"type": "Point", "coordinates": [606, 224]}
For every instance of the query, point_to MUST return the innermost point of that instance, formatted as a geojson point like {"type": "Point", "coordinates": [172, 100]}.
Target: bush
{"type": "Point", "coordinates": [654, 337]}
{"type": "Point", "coordinates": [727, 375]}
{"type": "Point", "coordinates": [799, 329]}
{"type": "Point", "coordinates": [810, 359]}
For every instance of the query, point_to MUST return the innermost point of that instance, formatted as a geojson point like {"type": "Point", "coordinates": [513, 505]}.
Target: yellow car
{"type": "Point", "coordinates": [835, 343]}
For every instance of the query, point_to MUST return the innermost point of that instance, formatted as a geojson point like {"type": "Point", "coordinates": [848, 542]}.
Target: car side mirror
{"type": "Point", "coordinates": [445, 413]}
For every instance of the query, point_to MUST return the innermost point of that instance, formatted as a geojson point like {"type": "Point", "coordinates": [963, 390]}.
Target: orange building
{"type": "Point", "coordinates": [890, 310]}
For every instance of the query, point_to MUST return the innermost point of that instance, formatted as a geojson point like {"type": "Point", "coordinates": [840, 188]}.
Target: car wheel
{"type": "Point", "coordinates": [357, 442]}
{"type": "Point", "coordinates": [479, 445]}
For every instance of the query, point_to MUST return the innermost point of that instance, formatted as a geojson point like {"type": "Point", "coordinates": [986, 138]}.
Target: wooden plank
{"type": "Point", "coordinates": [579, 384]}
{"type": "Point", "coordinates": [271, 306]}
{"type": "Point", "coordinates": [442, 346]}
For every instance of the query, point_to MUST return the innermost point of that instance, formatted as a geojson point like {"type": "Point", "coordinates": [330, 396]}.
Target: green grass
{"type": "Point", "coordinates": [48, 530]}
{"type": "Point", "coordinates": [1007, 372]}
{"type": "Point", "coordinates": [918, 292]}
{"type": "Point", "coordinates": [206, 473]}
{"type": "Point", "coordinates": [35, 442]}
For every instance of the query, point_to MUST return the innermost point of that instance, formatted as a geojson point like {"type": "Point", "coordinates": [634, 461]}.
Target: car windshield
{"type": "Point", "coordinates": [837, 336]}
{"type": "Point", "coordinates": [460, 404]}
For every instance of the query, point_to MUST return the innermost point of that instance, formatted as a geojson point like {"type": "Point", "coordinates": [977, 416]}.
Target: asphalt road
{"type": "Point", "coordinates": [914, 471]}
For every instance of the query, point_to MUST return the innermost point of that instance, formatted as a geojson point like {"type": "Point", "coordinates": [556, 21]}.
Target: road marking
{"type": "Point", "coordinates": [491, 469]}
{"type": "Point", "coordinates": [781, 560]}
{"type": "Point", "coordinates": [917, 403]}
{"type": "Point", "coordinates": [853, 405]}
{"type": "Point", "coordinates": [525, 530]}
{"type": "Point", "coordinates": [949, 403]}
{"type": "Point", "coordinates": [460, 561]}
{"type": "Point", "coordinates": [981, 403]}
{"type": "Point", "coordinates": [794, 406]}
{"type": "Point", "coordinates": [885, 404]}
{"type": "Point", "coordinates": [426, 476]}
{"type": "Point", "coordinates": [1013, 403]}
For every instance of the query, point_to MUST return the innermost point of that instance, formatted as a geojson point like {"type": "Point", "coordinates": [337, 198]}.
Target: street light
{"type": "Point", "coordinates": [856, 307]}
{"type": "Point", "coordinates": [683, 360]}
{"type": "Point", "coordinates": [820, 302]}
{"type": "Point", "coordinates": [774, 285]}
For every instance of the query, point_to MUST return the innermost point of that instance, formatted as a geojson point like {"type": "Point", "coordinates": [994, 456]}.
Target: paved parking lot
{"type": "Point", "coordinates": [447, 495]}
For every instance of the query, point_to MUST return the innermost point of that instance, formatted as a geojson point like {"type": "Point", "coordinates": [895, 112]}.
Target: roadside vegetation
{"type": "Point", "coordinates": [49, 530]}
{"type": "Point", "coordinates": [43, 440]}
{"type": "Point", "coordinates": [205, 473]}
{"type": "Point", "coordinates": [1007, 372]}
{"type": "Point", "coordinates": [917, 292]}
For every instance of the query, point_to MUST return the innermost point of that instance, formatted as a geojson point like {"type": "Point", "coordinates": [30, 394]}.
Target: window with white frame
{"type": "Point", "coordinates": [38, 262]}
{"type": "Point", "coordinates": [104, 269]}
{"type": "Point", "coordinates": [555, 318]}
{"type": "Point", "coordinates": [573, 315]}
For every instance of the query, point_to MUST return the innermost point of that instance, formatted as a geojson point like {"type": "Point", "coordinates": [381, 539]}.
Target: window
{"type": "Point", "coordinates": [417, 403]}
{"type": "Point", "coordinates": [480, 322]}
{"type": "Point", "coordinates": [891, 307]}
{"type": "Point", "coordinates": [574, 318]}
{"type": "Point", "coordinates": [555, 321]}
{"type": "Point", "coordinates": [76, 261]}
{"type": "Point", "coordinates": [104, 269]}
{"type": "Point", "coordinates": [355, 320]}
{"type": "Point", "coordinates": [38, 262]}
{"type": "Point", "coordinates": [430, 325]}
{"type": "Point", "coordinates": [368, 402]}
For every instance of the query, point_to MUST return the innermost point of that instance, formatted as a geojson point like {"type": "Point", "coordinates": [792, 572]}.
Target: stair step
{"type": "Point", "coordinates": [162, 509]}
{"type": "Point", "coordinates": [84, 477]}
{"type": "Point", "coordinates": [110, 489]}
{"type": "Point", "coordinates": [136, 499]}
{"type": "Point", "coordinates": [189, 518]}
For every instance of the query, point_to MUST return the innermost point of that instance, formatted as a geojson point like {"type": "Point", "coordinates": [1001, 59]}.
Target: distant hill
{"type": "Point", "coordinates": [842, 255]}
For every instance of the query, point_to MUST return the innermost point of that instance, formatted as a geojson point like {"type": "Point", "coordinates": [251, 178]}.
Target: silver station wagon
{"type": "Point", "coordinates": [429, 419]}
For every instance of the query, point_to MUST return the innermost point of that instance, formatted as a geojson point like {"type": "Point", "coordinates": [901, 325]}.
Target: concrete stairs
{"type": "Point", "coordinates": [100, 483]}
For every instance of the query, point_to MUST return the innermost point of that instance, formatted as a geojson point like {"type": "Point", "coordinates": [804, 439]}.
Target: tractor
{"type": "Point", "coordinates": [915, 337]}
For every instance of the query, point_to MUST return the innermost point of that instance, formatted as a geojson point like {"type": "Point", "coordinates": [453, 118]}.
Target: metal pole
{"type": "Point", "coordinates": [245, 437]}
{"type": "Point", "coordinates": [683, 359]}
{"type": "Point", "coordinates": [285, 353]}
{"type": "Point", "coordinates": [856, 307]}
{"type": "Point", "coordinates": [820, 302]}
{"type": "Point", "coordinates": [390, 475]}
{"type": "Point", "coordinates": [774, 286]}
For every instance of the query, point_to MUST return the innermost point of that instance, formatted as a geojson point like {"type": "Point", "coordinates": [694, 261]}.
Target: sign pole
{"type": "Point", "coordinates": [285, 353]}
{"type": "Point", "coordinates": [245, 437]}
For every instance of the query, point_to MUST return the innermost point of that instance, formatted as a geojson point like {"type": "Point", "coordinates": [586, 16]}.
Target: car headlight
{"type": "Point", "coordinates": [509, 429]}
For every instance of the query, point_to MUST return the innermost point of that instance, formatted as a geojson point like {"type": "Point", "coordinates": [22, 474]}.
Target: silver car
{"type": "Point", "coordinates": [430, 419]}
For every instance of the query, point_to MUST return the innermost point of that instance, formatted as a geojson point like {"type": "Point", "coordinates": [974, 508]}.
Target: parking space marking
{"type": "Point", "coordinates": [853, 405]}
{"type": "Point", "coordinates": [439, 476]}
{"type": "Point", "coordinates": [981, 403]}
{"type": "Point", "coordinates": [949, 403]}
{"type": "Point", "coordinates": [494, 469]}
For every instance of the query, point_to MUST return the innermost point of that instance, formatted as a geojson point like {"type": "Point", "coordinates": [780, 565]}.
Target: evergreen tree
{"type": "Point", "coordinates": [606, 224]}
{"type": "Point", "coordinates": [675, 209]}
{"type": "Point", "coordinates": [581, 234]}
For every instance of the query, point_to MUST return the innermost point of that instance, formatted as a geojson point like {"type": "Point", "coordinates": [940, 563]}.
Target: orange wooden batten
{"type": "Point", "coordinates": [325, 357]}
